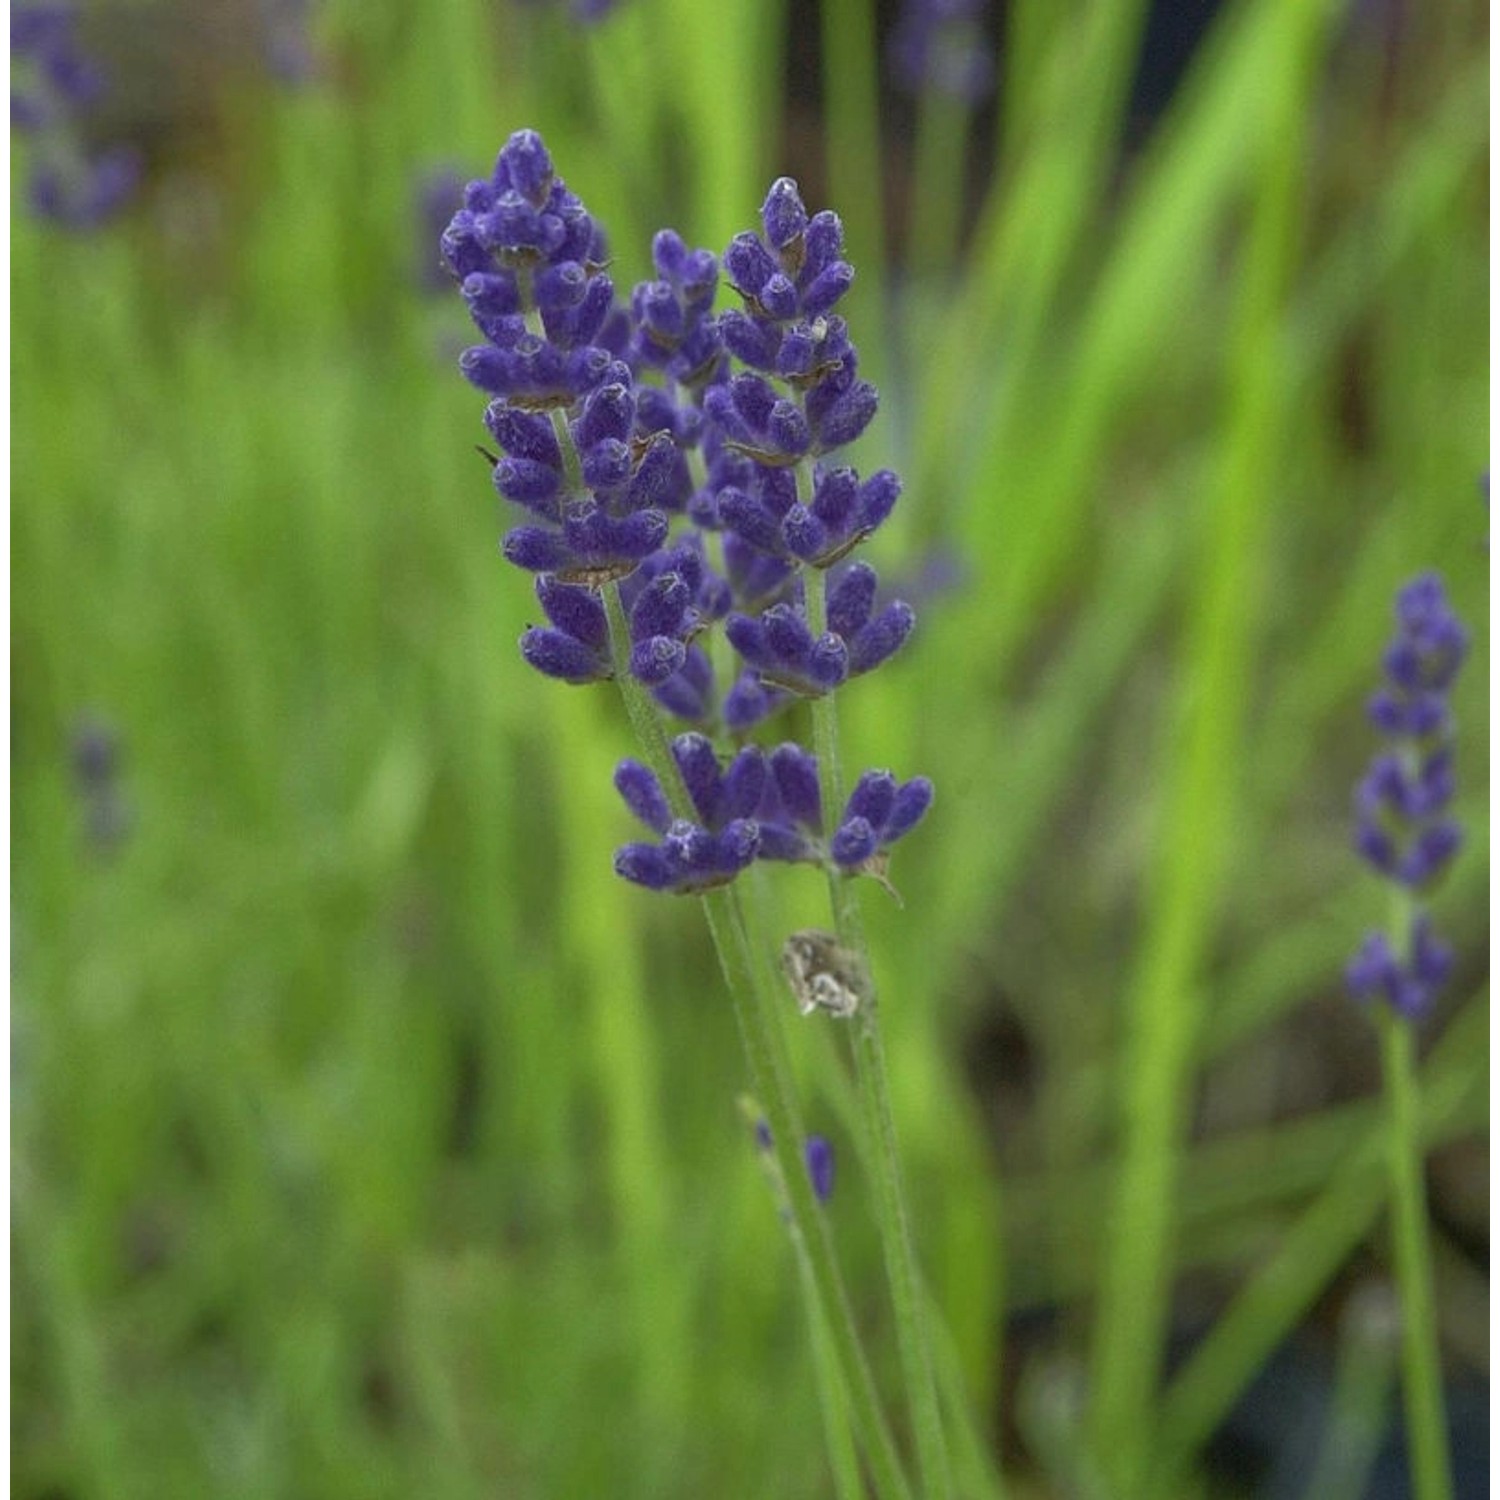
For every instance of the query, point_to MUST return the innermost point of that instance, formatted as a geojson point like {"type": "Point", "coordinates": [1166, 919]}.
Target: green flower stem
{"type": "Point", "coordinates": [875, 1098]}
{"type": "Point", "coordinates": [843, 1456]}
{"type": "Point", "coordinates": [976, 1463]}
{"type": "Point", "coordinates": [976, 1469]}
{"type": "Point", "coordinates": [1360, 1403]}
{"type": "Point", "coordinates": [938, 172]}
{"type": "Point", "coordinates": [851, 84]}
{"type": "Point", "coordinates": [620, 59]}
{"type": "Point", "coordinates": [1421, 1373]}
{"type": "Point", "coordinates": [755, 1007]}
{"type": "Point", "coordinates": [843, 1459]}
{"type": "Point", "coordinates": [809, 1227]}
{"type": "Point", "coordinates": [721, 52]}
{"type": "Point", "coordinates": [1308, 1256]}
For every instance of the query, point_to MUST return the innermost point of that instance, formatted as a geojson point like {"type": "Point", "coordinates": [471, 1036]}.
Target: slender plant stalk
{"type": "Point", "coordinates": [851, 95]}
{"type": "Point", "coordinates": [755, 1014]}
{"type": "Point", "coordinates": [1421, 1372]}
{"type": "Point", "coordinates": [619, 58]}
{"type": "Point", "coordinates": [1260, 1317]}
{"type": "Point", "coordinates": [875, 1097]}
{"type": "Point", "coordinates": [722, 52]}
{"type": "Point", "coordinates": [843, 1457]}
{"type": "Point", "coordinates": [1360, 1403]}
{"type": "Point", "coordinates": [810, 1228]}
{"type": "Point", "coordinates": [644, 719]}
{"type": "Point", "coordinates": [976, 1464]}
{"type": "Point", "coordinates": [976, 1468]}
{"type": "Point", "coordinates": [631, 1095]}
{"type": "Point", "coordinates": [1030, 225]}
{"type": "Point", "coordinates": [935, 221]}
{"type": "Point", "coordinates": [1310, 1253]}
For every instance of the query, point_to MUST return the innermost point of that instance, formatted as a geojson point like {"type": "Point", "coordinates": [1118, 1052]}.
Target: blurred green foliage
{"type": "Point", "coordinates": [370, 1138]}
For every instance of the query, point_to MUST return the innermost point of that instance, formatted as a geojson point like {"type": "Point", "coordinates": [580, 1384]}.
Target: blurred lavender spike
{"type": "Point", "coordinates": [1402, 829]}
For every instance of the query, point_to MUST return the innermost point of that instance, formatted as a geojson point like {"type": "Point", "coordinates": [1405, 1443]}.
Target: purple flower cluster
{"type": "Point", "coordinates": [285, 42]}
{"type": "Point", "coordinates": [684, 458]}
{"type": "Point", "coordinates": [1402, 827]}
{"type": "Point", "coordinates": [96, 757]}
{"type": "Point", "coordinates": [435, 194]}
{"type": "Point", "coordinates": [761, 806]}
{"type": "Point", "coordinates": [588, 11]}
{"type": "Point", "coordinates": [936, 45]}
{"type": "Point", "coordinates": [54, 87]}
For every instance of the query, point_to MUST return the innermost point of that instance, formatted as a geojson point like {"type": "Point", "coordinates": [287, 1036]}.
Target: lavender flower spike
{"type": "Point", "coordinates": [55, 91]}
{"type": "Point", "coordinates": [1401, 825]}
{"type": "Point", "coordinates": [530, 262]}
{"type": "Point", "coordinates": [790, 280]}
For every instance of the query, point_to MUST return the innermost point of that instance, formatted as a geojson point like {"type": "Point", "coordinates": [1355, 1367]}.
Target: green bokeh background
{"type": "Point", "coordinates": [372, 1139]}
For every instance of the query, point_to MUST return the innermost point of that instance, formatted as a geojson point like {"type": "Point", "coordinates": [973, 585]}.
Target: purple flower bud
{"type": "Point", "coordinates": [908, 808]}
{"type": "Point", "coordinates": [690, 859]}
{"type": "Point", "coordinates": [1429, 853]}
{"type": "Point", "coordinates": [525, 167]}
{"type": "Point", "coordinates": [750, 701]}
{"type": "Point", "coordinates": [819, 1153]}
{"type": "Point", "coordinates": [842, 419]}
{"type": "Point", "coordinates": [648, 865]}
{"type": "Point", "coordinates": [872, 798]}
{"type": "Point", "coordinates": [537, 549]}
{"type": "Point", "coordinates": [854, 842]}
{"type": "Point", "coordinates": [1373, 970]}
{"type": "Point", "coordinates": [1431, 958]}
{"type": "Point", "coordinates": [531, 484]}
{"type": "Point", "coordinates": [554, 653]}
{"type": "Point", "coordinates": [881, 638]}
{"type": "Point", "coordinates": [575, 610]}
{"type": "Point", "coordinates": [656, 658]}
{"type": "Point", "coordinates": [749, 265]}
{"type": "Point", "coordinates": [752, 342]}
{"type": "Point", "coordinates": [878, 813]}
{"type": "Point", "coordinates": [782, 215]}
{"type": "Point", "coordinates": [689, 693]}
{"type": "Point", "coordinates": [794, 773]}
{"type": "Point", "coordinates": [826, 289]}
{"type": "Point", "coordinates": [643, 794]}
